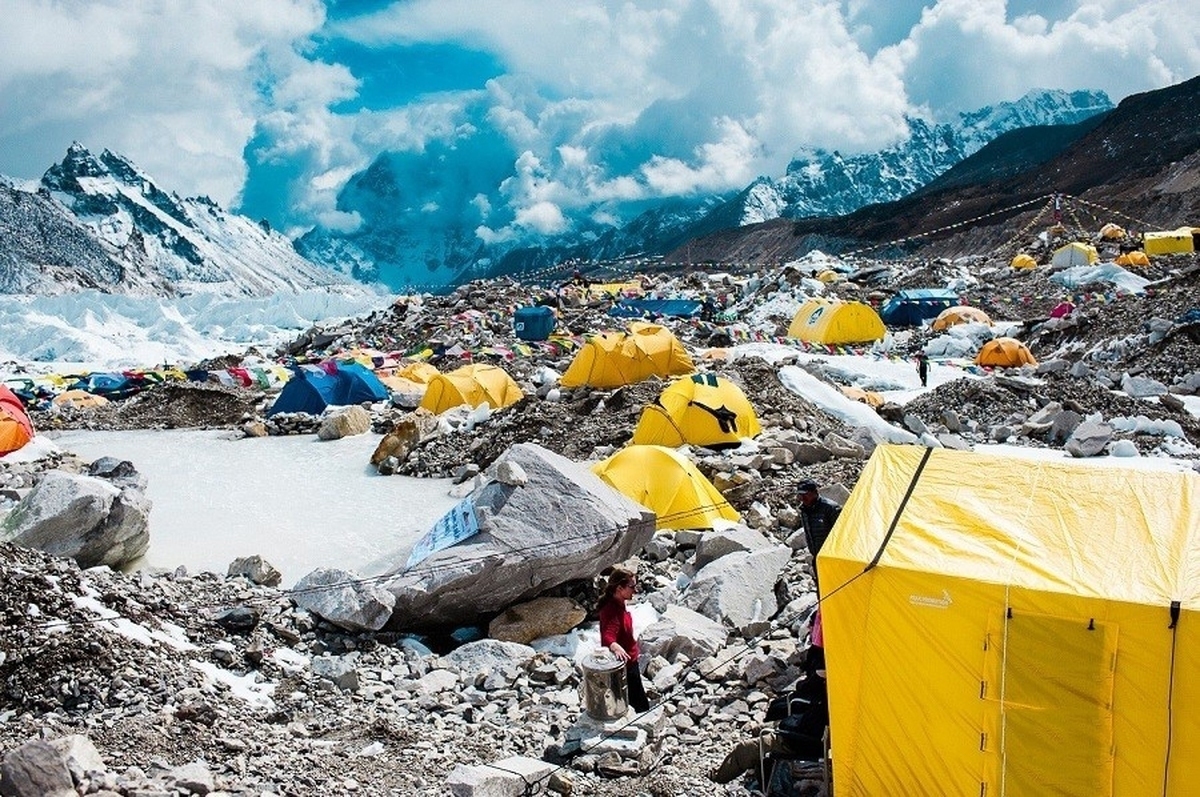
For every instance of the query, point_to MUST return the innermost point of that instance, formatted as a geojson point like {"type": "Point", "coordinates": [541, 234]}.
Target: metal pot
{"type": "Point", "coordinates": [605, 691]}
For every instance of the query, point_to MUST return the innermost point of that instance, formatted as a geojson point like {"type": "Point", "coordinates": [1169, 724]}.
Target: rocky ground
{"type": "Point", "coordinates": [149, 708]}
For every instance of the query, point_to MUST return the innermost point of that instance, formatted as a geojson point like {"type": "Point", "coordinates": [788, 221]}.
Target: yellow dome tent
{"type": "Point", "coordinates": [835, 322]}
{"type": "Point", "coordinates": [703, 410]}
{"type": "Point", "coordinates": [78, 399]}
{"type": "Point", "coordinates": [1169, 242]}
{"type": "Point", "coordinates": [472, 385]}
{"type": "Point", "coordinates": [1023, 261]}
{"type": "Point", "coordinates": [978, 640]}
{"type": "Point", "coordinates": [411, 378]}
{"type": "Point", "coordinates": [1135, 258]}
{"type": "Point", "coordinates": [667, 483]}
{"type": "Point", "coordinates": [1112, 232]}
{"type": "Point", "coordinates": [960, 314]}
{"type": "Point", "coordinates": [1005, 353]}
{"type": "Point", "coordinates": [612, 359]}
{"type": "Point", "coordinates": [1074, 254]}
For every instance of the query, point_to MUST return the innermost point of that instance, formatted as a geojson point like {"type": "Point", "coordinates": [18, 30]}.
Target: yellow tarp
{"type": "Point", "coordinates": [1015, 635]}
{"type": "Point", "coordinates": [472, 385]}
{"type": "Point", "coordinates": [612, 359]}
{"type": "Point", "coordinates": [1169, 242]}
{"type": "Point", "coordinates": [960, 314]}
{"type": "Point", "coordinates": [834, 322]}
{"type": "Point", "coordinates": [667, 483]}
{"type": "Point", "coordinates": [703, 410]}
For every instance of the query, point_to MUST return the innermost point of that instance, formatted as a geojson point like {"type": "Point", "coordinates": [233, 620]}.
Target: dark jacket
{"type": "Point", "coordinates": [818, 522]}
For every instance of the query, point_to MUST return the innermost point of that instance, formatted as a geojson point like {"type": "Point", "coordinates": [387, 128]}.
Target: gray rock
{"type": "Point", "coordinates": [1089, 439]}
{"type": "Point", "coordinates": [256, 569]}
{"type": "Point", "coordinates": [36, 769]}
{"type": "Point", "coordinates": [565, 524]}
{"type": "Point", "coordinates": [344, 599]}
{"type": "Point", "coordinates": [715, 544]}
{"type": "Point", "coordinates": [507, 777]}
{"type": "Point", "coordinates": [1142, 386]}
{"type": "Point", "coordinates": [345, 422]}
{"type": "Point", "coordinates": [340, 670]}
{"type": "Point", "coordinates": [83, 518]}
{"type": "Point", "coordinates": [682, 632]}
{"type": "Point", "coordinates": [739, 588]}
{"type": "Point", "coordinates": [540, 617]}
{"type": "Point", "coordinates": [486, 655]}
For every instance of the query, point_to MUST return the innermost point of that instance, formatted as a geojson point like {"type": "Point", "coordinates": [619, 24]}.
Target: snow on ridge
{"type": "Point", "coordinates": [110, 331]}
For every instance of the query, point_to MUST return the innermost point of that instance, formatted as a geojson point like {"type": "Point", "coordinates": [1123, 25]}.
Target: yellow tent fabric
{"type": "Point", "coordinates": [1023, 261]}
{"type": "Point", "coordinates": [703, 410]}
{"type": "Point", "coordinates": [1169, 242]}
{"type": "Point", "coordinates": [421, 372]}
{"type": "Point", "coordinates": [79, 399]}
{"type": "Point", "coordinates": [829, 276]}
{"type": "Point", "coordinates": [612, 359]}
{"type": "Point", "coordinates": [960, 314]}
{"type": "Point", "coordinates": [1005, 353]}
{"type": "Point", "coordinates": [835, 322]}
{"type": "Point", "coordinates": [667, 483]}
{"type": "Point", "coordinates": [1111, 232]}
{"type": "Point", "coordinates": [1074, 254]}
{"type": "Point", "coordinates": [1136, 258]}
{"type": "Point", "coordinates": [1014, 632]}
{"type": "Point", "coordinates": [868, 397]}
{"type": "Point", "coordinates": [472, 385]}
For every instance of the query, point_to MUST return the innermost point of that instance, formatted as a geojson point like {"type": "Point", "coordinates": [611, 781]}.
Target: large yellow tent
{"type": "Point", "coordinates": [472, 385]}
{"type": "Point", "coordinates": [1023, 261]}
{"type": "Point", "coordinates": [1005, 353]}
{"type": "Point", "coordinates": [1004, 625]}
{"type": "Point", "coordinates": [1075, 253]}
{"type": "Point", "coordinates": [836, 322]}
{"type": "Point", "coordinates": [666, 482]}
{"type": "Point", "coordinates": [1169, 242]}
{"type": "Point", "coordinates": [703, 410]}
{"type": "Point", "coordinates": [612, 359]}
{"type": "Point", "coordinates": [960, 314]}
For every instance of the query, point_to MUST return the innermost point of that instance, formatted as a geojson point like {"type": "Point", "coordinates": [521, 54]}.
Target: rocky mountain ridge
{"type": "Point", "coordinates": [98, 222]}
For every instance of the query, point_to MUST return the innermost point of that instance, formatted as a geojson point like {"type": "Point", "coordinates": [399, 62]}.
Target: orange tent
{"type": "Point", "coordinates": [15, 427]}
{"type": "Point", "coordinates": [1005, 353]}
{"type": "Point", "coordinates": [1135, 258]}
{"type": "Point", "coordinates": [960, 314]}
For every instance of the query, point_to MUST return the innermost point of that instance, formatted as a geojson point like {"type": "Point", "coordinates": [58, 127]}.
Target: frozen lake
{"type": "Point", "coordinates": [299, 502]}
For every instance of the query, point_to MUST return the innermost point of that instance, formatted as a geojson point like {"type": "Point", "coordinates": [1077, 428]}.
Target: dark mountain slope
{"type": "Point", "coordinates": [1138, 165]}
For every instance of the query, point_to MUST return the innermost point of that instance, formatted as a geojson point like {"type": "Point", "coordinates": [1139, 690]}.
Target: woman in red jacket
{"type": "Point", "coordinates": [616, 633]}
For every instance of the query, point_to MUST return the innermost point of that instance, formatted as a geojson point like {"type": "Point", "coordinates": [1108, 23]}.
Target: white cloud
{"type": "Point", "coordinates": [611, 101]}
{"type": "Point", "coordinates": [171, 85]}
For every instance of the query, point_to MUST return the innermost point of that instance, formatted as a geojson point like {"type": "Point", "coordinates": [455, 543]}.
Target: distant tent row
{"type": "Point", "coordinates": [613, 359]}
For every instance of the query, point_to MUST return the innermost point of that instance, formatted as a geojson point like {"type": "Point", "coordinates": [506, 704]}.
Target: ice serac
{"type": "Point", "coordinates": [564, 524]}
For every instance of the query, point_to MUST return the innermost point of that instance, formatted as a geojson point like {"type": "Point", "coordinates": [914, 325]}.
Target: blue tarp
{"type": "Point", "coordinates": [911, 308]}
{"type": "Point", "coordinates": [533, 323]}
{"type": "Point", "coordinates": [311, 389]}
{"type": "Point", "coordinates": [640, 308]}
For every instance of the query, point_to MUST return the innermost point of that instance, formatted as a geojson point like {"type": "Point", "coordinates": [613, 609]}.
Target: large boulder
{"type": "Point", "coordinates": [84, 518]}
{"type": "Point", "coordinates": [344, 599]}
{"type": "Point", "coordinates": [564, 524]}
{"type": "Point", "coordinates": [739, 588]}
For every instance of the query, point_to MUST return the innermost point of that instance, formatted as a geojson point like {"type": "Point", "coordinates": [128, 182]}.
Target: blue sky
{"type": "Point", "coordinates": [271, 106]}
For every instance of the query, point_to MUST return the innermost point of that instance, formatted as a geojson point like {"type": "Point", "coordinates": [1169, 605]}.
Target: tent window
{"type": "Point", "coordinates": [1048, 693]}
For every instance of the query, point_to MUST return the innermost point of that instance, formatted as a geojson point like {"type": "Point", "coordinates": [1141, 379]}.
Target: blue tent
{"type": "Point", "coordinates": [533, 323]}
{"type": "Point", "coordinates": [639, 308]}
{"type": "Point", "coordinates": [311, 389]}
{"type": "Point", "coordinates": [913, 307]}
